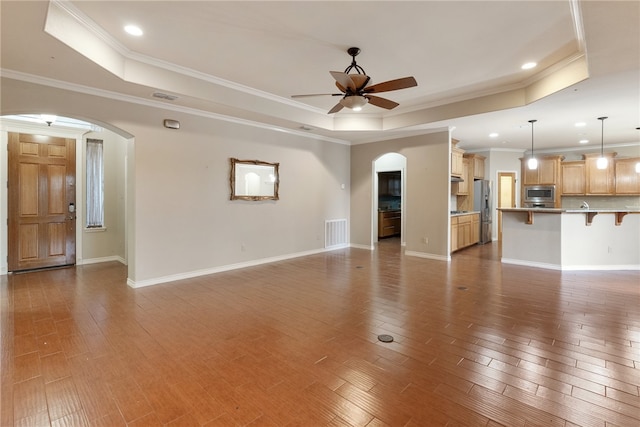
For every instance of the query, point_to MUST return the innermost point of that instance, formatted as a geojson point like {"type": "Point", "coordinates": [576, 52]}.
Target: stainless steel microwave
{"type": "Point", "coordinates": [540, 194]}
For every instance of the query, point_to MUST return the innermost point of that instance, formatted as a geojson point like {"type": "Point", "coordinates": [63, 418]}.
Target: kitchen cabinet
{"type": "Point", "coordinates": [389, 223]}
{"type": "Point", "coordinates": [573, 178]}
{"type": "Point", "coordinates": [546, 173]}
{"type": "Point", "coordinates": [456, 159]}
{"type": "Point", "coordinates": [627, 180]}
{"type": "Point", "coordinates": [476, 165]}
{"type": "Point", "coordinates": [465, 231]}
{"type": "Point", "coordinates": [599, 181]}
{"type": "Point", "coordinates": [389, 183]}
{"type": "Point", "coordinates": [463, 186]}
{"type": "Point", "coordinates": [454, 233]}
{"type": "Point", "coordinates": [475, 228]}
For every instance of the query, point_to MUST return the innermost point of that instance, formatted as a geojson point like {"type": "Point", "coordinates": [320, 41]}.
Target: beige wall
{"type": "Point", "coordinates": [426, 198]}
{"type": "Point", "coordinates": [110, 242]}
{"type": "Point", "coordinates": [181, 222]}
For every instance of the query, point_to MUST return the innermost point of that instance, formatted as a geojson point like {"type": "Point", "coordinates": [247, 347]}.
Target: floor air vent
{"type": "Point", "coordinates": [335, 233]}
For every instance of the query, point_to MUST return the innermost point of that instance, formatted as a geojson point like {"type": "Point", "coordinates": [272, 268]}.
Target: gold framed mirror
{"type": "Point", "coordinates": [254, 180]}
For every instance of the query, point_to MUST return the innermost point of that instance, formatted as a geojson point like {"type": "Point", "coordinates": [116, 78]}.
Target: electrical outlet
{"type": "Point", "coordinates": [425, 240]}
{"type": "Point", "coordinates": [242, 249]}
{"type": "Point", "coordinates": [610, 249]}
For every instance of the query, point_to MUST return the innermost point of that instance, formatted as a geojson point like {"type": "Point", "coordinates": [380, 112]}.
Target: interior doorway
{"type": "Point", "coordinates": [506, 195]}
{"type": "Point", "coordinates": [68, 236]}
{"type": "Point", "coordinates": [388, 201]}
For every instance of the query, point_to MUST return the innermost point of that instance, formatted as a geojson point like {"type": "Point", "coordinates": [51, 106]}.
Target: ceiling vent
{"type": "Point", "coordinates": [164, 96]}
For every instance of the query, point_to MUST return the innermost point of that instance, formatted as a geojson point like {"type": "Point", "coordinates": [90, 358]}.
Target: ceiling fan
{"type": "Point", "coordinates": [354, 90]}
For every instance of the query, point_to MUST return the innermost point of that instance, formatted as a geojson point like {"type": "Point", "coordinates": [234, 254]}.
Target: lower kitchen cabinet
{"type": "Point", "coordinates": [389, 223]}
{"type": "Point", "coordinates": [465, 231]}
{"type": "Point", "coordinates": [475, 228]}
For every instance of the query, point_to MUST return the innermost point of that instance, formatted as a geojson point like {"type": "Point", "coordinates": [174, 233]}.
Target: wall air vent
{"type": "Point", "coordinates": [164, 96]}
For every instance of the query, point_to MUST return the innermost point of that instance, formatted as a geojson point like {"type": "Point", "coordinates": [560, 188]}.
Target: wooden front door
{"type": "Point", "coordinates": [42, 200]}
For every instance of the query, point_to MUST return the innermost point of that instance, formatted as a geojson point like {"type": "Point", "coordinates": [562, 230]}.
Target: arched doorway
{"type": "Point", "coordinates": [107, 243]}
{"type": "Point", "coordinates": [388, 219]}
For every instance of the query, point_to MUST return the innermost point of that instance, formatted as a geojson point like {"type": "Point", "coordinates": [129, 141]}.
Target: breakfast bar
{"type": "Point", "coordinates": [571, 239]}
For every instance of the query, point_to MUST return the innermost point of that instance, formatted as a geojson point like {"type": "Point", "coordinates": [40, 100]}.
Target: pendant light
{"type": "Point", "coordinates": [602, 161]}
{"type": "Point", "coordinates": [532, 163]}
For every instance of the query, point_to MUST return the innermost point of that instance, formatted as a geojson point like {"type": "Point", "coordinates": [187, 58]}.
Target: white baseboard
{"type": "Point", "coordinates": [366, 247]}
{"type": "Point", "coordinates": [531, 264]}
{"type": "Point", "coordinates": [214, 270]}
{"type": "Point", "coordinates": [428, 255]}
{"type": "Point", "coordinates": [571, 267]}
{"type": "Point", "coordinates": [101, 259]}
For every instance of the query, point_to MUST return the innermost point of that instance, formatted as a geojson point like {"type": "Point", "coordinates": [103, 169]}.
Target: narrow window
{"type": "Point", "coordinates": [95, 184]}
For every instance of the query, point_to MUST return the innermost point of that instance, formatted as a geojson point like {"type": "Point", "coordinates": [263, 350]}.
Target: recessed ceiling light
{"type": "Point", "coordinates": [580, 124]}
{"type": "Point", "coordinates": [494, 135]}
{"type": "Point", "coordinates": [584, 141]}
{"type": "Point", "coordinates": [134, 30]}
{"type": "Point", "coordinates": [529, 65]}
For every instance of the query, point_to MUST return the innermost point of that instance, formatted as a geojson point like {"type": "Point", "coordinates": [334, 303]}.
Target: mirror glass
{"type": "Point", "coordinates": [254, 180]}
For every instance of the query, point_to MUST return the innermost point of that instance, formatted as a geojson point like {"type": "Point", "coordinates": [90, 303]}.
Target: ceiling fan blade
{"type": "Point", "coordinates": [381, 102]}
{"type": "Point", "coordinates": [396, 84]}
{"type": "Point", "coordinates": [360, 80]}
{"type": "Point", "coordinates": [317, 94]}
{"type": "Point", "coordinates": [336, 108]}
{"type": "Point", "coordinates": [344, 80]}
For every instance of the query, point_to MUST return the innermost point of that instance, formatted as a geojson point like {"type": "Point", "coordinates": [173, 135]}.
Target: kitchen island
{"type": "Point", "coordinates": [571, 239]}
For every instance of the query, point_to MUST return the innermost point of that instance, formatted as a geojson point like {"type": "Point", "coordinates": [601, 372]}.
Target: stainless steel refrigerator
{"type": "Point", "coordinates": [482, 202]}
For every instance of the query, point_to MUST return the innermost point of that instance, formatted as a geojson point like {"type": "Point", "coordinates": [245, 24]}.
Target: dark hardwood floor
{"type": "Point", "coordinates": [295, 343]}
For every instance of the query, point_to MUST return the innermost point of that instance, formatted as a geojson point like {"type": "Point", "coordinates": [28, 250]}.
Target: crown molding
{"type": "Point", "coordinates": [87, 90]}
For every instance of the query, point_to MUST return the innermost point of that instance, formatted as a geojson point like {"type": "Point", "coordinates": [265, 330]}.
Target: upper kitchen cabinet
{"type": "Point", "coordinates": [457, 167]}
{"type": "Point", "coordinates": [463, 186]}
{"type": "Point", "coordinates": [573, 178]}
{"type": "Point", "coordinates": [627, 180]}
{"type": "Point", "coordinates": [599, 181]}
{"type": "Point", "coordinates": [476, 165]}
{"type": "Point", "coordinates": [389, 183]}
{"type": "Point", "coordinates": [547, 172]}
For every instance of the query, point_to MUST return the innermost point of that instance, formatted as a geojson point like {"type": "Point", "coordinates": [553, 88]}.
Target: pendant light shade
{"type": "Point", "coordinates": [532, 163]}
{"type": "Point", "coordinates": [602, 160]}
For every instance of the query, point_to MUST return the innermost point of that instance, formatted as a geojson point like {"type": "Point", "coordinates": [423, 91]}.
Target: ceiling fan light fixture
{"type": "Point", "coordinates": [355, 102]}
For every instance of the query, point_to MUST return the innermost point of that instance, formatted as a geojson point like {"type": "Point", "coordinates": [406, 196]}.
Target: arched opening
{"type": "Point", "coordinates": [388, 213]}
{"type": "Point", "coordinates": [91, 244]}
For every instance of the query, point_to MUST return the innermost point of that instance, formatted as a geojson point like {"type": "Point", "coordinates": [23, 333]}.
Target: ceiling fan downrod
{"type": "Point", "coordinates": [354, 51]}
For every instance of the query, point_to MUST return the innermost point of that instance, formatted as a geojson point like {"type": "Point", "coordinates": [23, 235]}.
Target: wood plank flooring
{"type": "Point", "coordinates": [295, 343]}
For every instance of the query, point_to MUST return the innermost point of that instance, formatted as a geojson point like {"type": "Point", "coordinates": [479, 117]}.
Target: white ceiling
{"type": "Point", "coordinates": [245, 59]}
